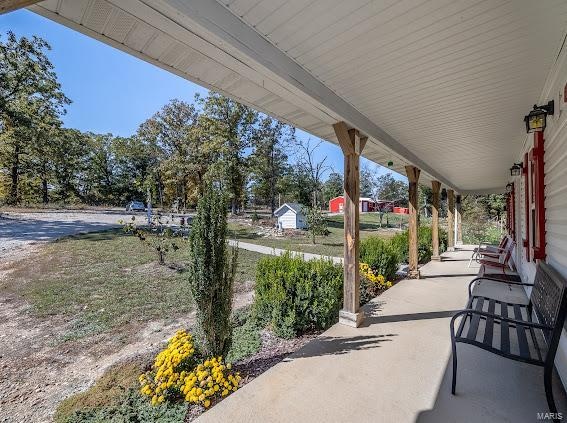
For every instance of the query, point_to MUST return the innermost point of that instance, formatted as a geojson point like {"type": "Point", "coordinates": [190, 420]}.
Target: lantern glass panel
{"type": "Point", "coordinates": [536, 121]}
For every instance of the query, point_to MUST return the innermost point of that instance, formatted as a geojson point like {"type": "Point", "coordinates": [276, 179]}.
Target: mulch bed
{"type": "Point", "coordinates": [273, 351]}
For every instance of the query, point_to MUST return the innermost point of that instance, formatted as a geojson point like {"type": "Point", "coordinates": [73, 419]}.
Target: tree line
{"type": "Point", "coordinates": [254, 159]}
{"type": "Point", "coordinates": [171, 155]}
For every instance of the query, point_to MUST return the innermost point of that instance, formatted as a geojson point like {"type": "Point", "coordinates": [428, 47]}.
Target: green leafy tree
{"type": "Point", "coordinates": [425, 199]}
{"type": "Point", "coordinates": [178, 153]}
{"type": "Point", "coordinates": [30, 101]}
{"type": "Point", "coordinates": [367, 182]}
{"type": "Point", "coordinates": [333, 187]}
{"type": "Point", "coordinates": [71, 150]}
{"type": "Point", "coordinates": [390, 189]}
{"type": "Point", "coordinates": [26, 76]}
{"type": "Point", "coordinates": [212, 268]}
{"type": "Point", "coordinates": [311, 170]}
{"type": "Point", "coordinates": [268, 161]}
{"type": "Point", "coordinates": [229, 128]}
{"type": "Point", "coordinates": [317, 224]}
{"type": "Point", "coordinates": [132, 168]}
{"type": "Point", "coordinates": [494, 205]}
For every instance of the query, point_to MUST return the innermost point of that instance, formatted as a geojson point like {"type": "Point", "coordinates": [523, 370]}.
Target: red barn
{"type": "Point", "coordinates": [336, 205]}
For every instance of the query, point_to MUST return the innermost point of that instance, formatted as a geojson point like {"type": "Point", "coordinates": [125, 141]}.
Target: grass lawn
{"type": "Point", "coordinates": [105, 280]}
{"type": "Point", "coordinates": [331, 245]}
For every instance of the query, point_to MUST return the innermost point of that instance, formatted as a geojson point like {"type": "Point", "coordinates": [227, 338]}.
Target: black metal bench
{"type": "Point", "coordinates": [507, 329]}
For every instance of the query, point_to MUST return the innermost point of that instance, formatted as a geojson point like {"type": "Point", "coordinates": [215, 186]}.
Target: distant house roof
{"type": "Point", "coordinates": [295, 207]}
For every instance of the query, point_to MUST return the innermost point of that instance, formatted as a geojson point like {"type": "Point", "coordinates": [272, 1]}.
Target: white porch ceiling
{"type": "Point", "coordinates": [441, 84]}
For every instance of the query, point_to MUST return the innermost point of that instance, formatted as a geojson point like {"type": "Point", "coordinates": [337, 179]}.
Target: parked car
{"type": "Point", "coordinates": [135, 206]}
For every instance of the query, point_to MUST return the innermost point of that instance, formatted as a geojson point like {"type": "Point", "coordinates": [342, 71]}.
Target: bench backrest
{"type": "Point", "coordinates": [506, 255]}
{"type": "Point", "coordinates": [549, 302]}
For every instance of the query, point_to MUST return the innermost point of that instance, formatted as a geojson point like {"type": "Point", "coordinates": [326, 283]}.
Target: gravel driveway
{"type": "Point", "coordinates": [19, 230]}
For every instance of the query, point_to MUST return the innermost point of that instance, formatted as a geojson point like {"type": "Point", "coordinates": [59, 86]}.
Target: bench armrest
{"type": "Point", "coordinates": [493, 249]}
{"type": "Point", "coordinates": [489, 278]}
{"type": "Point", "coordinates": [488, 244]}
{"type": "Point", "coordinates": [491, 263]}
{"type": "Point", "coordinates": [496, 317]}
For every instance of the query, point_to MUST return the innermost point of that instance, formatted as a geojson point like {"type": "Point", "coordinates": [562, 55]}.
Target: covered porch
{"type": "Point", "coordinates": [396, 366]}
{"type": "Point", "coordinates": [435, 90]}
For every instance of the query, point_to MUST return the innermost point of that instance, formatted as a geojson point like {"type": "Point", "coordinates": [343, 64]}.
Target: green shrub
{"type": "Point", "coordinates": [132, 407]}
{"type": "Point", "coordinates": [158, 237]}
{"type": "Point", "coordinates": [241, 315]}
{"type": "Point", "coordinates": [381, 256]}
{"type": "Point", "coordinates": [246, 339]}
{"type": "Point", "coordinates": [114, 397]}
{"type": "Point", "coordinates": [211, 272]}
{"type": "Point", "coordinates": [443, 240]}
{"type": "Point", "coordinates": [400, 243]}
{"type": "Point", "coordinates": [294, 295]}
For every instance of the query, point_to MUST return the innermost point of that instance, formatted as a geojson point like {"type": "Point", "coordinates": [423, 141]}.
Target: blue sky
{"type": "Point", "coordinates": [113, 91]}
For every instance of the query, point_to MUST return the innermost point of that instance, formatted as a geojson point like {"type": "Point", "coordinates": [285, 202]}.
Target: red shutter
{"type": "Point", "coordinates": [513, 211]}
{"type": "Point", "coordinates": [538, 197]}
{"type": "Point", "coordinates": [526, 240]}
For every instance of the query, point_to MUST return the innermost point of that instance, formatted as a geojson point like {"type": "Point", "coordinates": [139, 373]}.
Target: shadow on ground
{"type": "Point", "coordinates": [29, 230]}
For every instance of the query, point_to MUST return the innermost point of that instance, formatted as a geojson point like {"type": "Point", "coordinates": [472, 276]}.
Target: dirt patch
{"type": "Point", "coordinates": [38, 371]}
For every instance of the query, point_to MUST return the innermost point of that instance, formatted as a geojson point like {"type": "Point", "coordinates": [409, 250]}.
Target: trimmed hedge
{"type": "Point", "coordinates": [400, 242]}
{"type": "Point", "coordinates": [381, 256]}
{"type": "Point", "coordinates": [294, 296]}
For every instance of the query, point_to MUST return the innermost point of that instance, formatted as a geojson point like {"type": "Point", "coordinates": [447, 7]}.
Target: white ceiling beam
{"type": "Point", "coordinates": [482, 191]}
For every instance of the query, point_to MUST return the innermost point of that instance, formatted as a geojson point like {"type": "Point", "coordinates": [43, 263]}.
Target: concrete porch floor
{"type": "Point", "coordinates": [396, 367]}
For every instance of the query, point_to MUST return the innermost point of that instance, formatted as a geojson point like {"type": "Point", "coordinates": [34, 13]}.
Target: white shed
{"type": "Point", "coordinates": [290, 216]}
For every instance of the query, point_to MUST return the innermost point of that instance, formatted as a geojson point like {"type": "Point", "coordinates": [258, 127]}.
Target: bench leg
{"type": "Point", "coordinates": [454, 380]}
{"type": "Point", "coordinates": [547, 381]}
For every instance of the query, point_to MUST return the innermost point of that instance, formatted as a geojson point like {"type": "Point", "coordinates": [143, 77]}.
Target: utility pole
{"type": "Point", "coordinates": [149, 200]}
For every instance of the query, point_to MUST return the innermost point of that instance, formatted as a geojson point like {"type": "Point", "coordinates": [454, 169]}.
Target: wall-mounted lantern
{"type": "Point", "coordinates": [536, 119]}
{"type": "Point", "coordinates": [443, 194]}
{"type": "Point", "coordinates": [516, 170]}
{"type": "Point", "coordinates": [458, 199]}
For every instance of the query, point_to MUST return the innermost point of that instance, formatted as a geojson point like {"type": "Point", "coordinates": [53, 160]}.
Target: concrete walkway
{"type": "Point", "coordinates": [262, 249]}
{"type": "Point", "coordinates": [396, 368]}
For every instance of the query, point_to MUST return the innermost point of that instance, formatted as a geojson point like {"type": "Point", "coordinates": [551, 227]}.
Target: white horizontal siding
{"type": "Point", "coordinates": [288, 220]}
{"type": "Point", "coordinates": [555, 190]}
{"type": "Point", "coordinates": [555, 169]}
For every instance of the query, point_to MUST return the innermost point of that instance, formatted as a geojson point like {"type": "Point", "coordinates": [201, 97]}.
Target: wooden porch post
{"type": "Point", "coordinates": [458, 211]}
{"type": "Point", "coordinates": [413, 177]}
{"type": "Point", "coordinates": [352, 145]}
{"type": "Point", "coordinates": [451, 220]}
{"type": "Point", "coordinates": [10, 5]}
{"type": "Point", "coordinates": [435, 187]}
